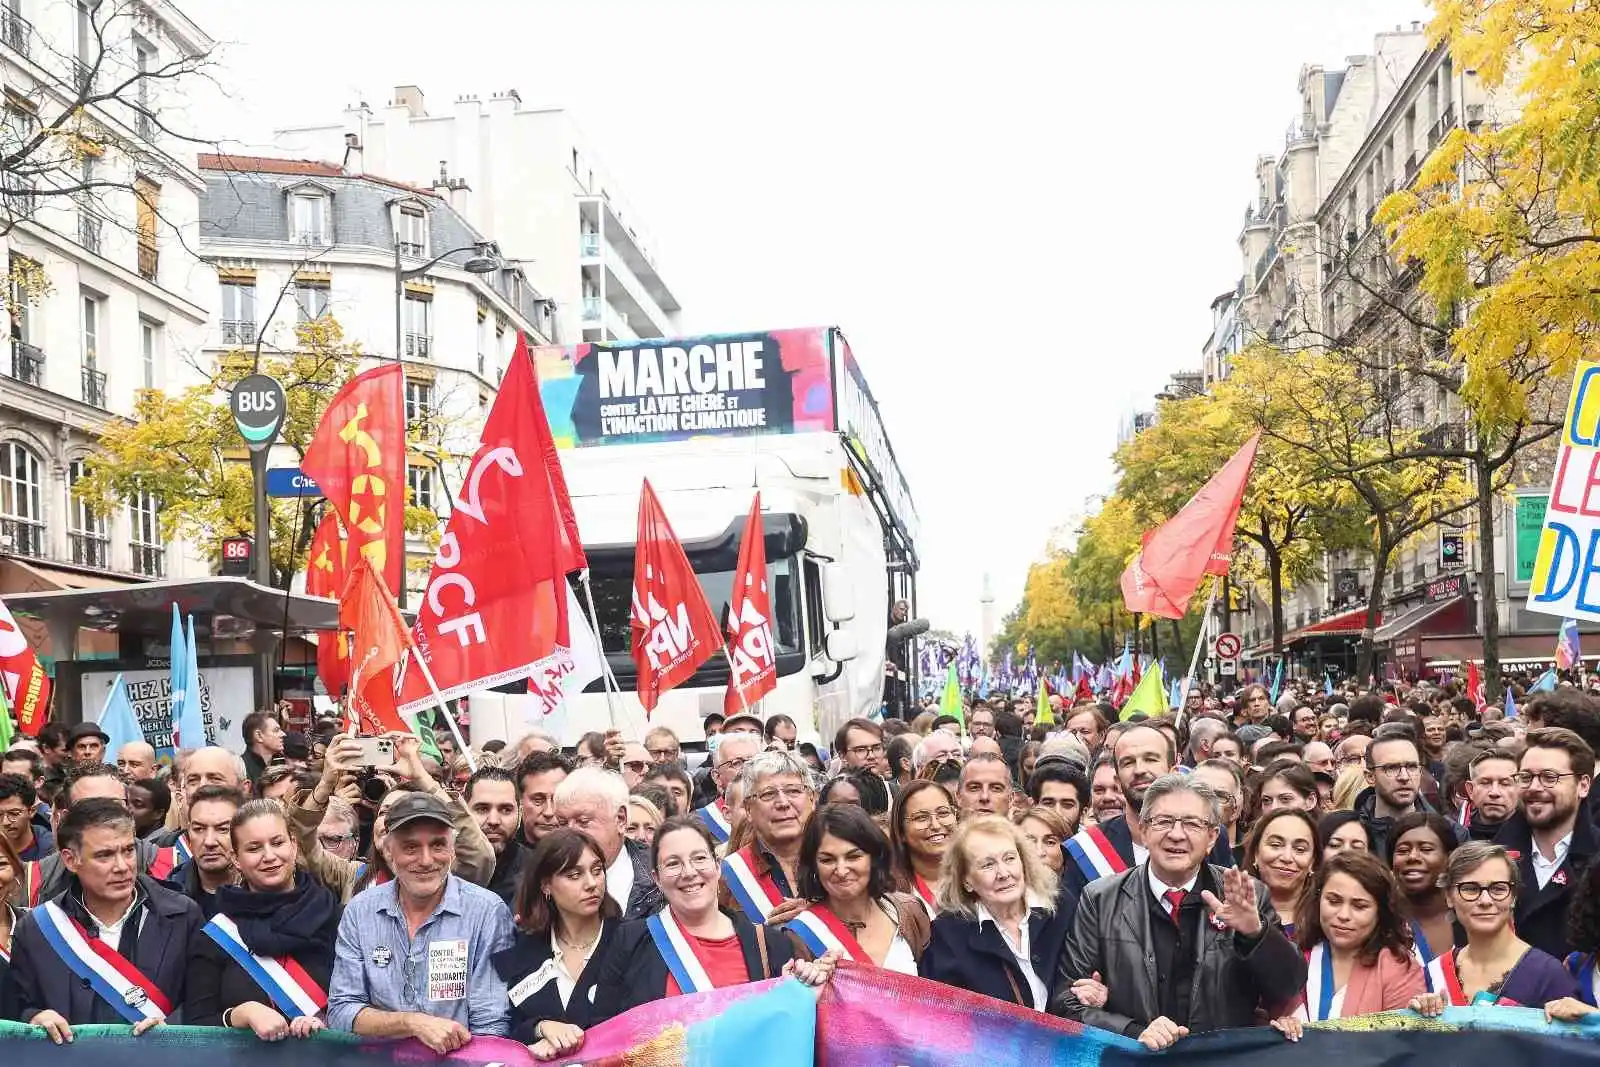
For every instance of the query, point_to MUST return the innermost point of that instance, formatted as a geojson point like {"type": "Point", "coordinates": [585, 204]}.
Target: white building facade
{"type": "Point", "coordinates": [527, 176]}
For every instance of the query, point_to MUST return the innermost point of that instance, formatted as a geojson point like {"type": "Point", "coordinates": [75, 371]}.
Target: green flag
{"type": "Point", "coordinates": [5, 721]}
{"type": "Point", "coordinates": [1044, 713]}
{"type": "Point", "coordinates": [951, 702]}
{"type": "Point", "coordinates": [1149, 696]}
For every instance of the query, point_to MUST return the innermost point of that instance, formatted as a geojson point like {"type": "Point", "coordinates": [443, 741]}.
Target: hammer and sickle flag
{"type": "Point", "coordinates": [325, 577]}
{"type": "Point", "coordinates": [358, 457]}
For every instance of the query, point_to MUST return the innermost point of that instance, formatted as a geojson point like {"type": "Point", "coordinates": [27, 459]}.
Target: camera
{"type": "Point", "coordinates": [374, 786]}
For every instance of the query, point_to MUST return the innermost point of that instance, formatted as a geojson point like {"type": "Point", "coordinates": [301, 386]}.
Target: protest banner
{"type": "Point", "coordinates": [1565, 568]}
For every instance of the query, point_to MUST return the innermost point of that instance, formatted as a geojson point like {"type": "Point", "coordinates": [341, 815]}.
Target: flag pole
{"type": "Point", "coordinates": [444, 709]}
{"type": "Point", "coordinates": [1194, 660]}
{"type": "Point", "coordinates": [613, 690]}
{"type": "Point", "coordinates": [743, 704]}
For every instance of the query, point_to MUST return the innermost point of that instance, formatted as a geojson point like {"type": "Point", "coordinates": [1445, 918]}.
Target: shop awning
{"type": "Point", "coordinates": [1410, 619]}
{"type": "Point", "coordinates": [1350, 622]}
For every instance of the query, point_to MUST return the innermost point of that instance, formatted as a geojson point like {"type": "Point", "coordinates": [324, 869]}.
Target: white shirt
{"type": "Point", "coordinates": [619, 878]}
{"type": "Point", "coordinates": [1336, 1005]}
{"type": "Point", "coordinates": [111, 934]}
{"type": "Point", "coordinates": [899, 958]}
{"type": "Point", "coordinates": [1019, 949]}
{"type": "Point", "coordinates": [1543, 868]}
{"type": "Point", "coordinates": [1140, 854]}
{"type": "Point", "coordinates": [1160, 889]}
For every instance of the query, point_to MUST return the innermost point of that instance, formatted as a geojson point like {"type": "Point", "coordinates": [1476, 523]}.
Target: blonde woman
{"type": "Point", "coordinates": [998, 911]}
{"type": "Point", "coordinates": [1351, 781]}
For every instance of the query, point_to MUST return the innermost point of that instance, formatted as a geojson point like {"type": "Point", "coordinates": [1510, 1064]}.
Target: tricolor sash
{"type": "Point", "coordinates": [118, 982]}
{"type": "Point", "coordinates": [293, 991]}
{"type": "Point", "coordinates": [678, 950]}
{"type": "Point", "coordinates": [1581, 965]}
{"type": "Point", "coordinates": [924, 893]}
{"type": "Point", "coordinates": [1421, 951]}
{"type": "Point", "coordinates": [716, 820]}
{"type": "Point", "coordinates": [1464, 813]}
{"type": "Point", "coordinates": [169, 859]}
{"type": "Point", "coordinates": [32, 879]}
{"type": "Point", "coordinates": [1317, 1004]}
{"type": "Point", "coordinates": [1094, 854]}
{"type": "Point", "coordinates": [1442, 978]}
{"type": "Point", "coordinates": [757, 894]}
{"type": "Point", "coordinates": [822, 932]}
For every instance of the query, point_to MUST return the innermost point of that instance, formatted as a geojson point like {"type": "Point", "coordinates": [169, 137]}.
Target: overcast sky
{"type": "Point", "coordinates": [1018, 210]}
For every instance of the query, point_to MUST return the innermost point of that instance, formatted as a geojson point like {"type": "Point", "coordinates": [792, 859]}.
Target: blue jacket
{"type": "Point", "coordinates": [968, 955]}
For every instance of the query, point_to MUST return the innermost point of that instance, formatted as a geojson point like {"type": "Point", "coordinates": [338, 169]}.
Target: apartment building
{"type": "Point", "coordinates": [398, 267]}
{"type": "Point", "coordinates": [526, 175]}
{"type": "Point", "coordinates": [105, 296]}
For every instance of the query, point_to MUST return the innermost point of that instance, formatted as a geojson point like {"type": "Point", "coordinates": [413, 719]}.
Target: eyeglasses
{"type": "Point", "coordinates": [924, 819]}
{"type": "Point", "coordinates": [1352, 761]}
{"type": "Point", "coordinates": [1163, 824]}
{"type": "Point", "coordinates": [1396, 770]}
{"type": "Point", "coordinates": [637, 766]}
{"type": "Point", "coordinates": [663, 753]}
{"type": "Point", "coordinates": [332, 841]}
{"type": "Point", "coordinates": [14, 815]}
{"type": "Point", "coordinates": [860, 751]}
{"type": "Point", "coordinates": [794, 794]}
{"type": "Point", "coordinates": [1548, 779]}
{"type": "Point", "coordinates": [733, 766]}
{"type": "Point", "coordinates": [1499, 892]}
{"type": "Point", "coordinates": [703, 862]}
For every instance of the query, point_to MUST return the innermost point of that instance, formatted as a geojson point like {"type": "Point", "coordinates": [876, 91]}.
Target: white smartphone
{"type": "Point", "coordinates": [376, 752]}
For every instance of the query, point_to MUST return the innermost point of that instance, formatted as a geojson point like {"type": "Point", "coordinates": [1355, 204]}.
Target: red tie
{"type": "Point", "coordinates": [1174, 899]}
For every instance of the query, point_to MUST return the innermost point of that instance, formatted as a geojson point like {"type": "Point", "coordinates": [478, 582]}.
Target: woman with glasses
{"type": "Point", "coordinates": [1495, 966]}
{"type": "Point", "coordinates": [1352, 928]}
{"type": "Point", "coordinates": [1343, 831]}
{"type": "Point", "coordinates": [1224, 777]}
{"type": "Point", "coordinates": [267, 956]}
{"type": "Point", "coordinates": [1282, 851]}
{"type": "Point", "coordinates": [847, 875]}
{"type": "Point", "coordinates": [566, 926]}
{"type": "Point", "coordinates": [924, 821]}
{"type": "Point", "coordinates": [691, 945]}
{"type": "Point", "coordinates": [1419, 847]}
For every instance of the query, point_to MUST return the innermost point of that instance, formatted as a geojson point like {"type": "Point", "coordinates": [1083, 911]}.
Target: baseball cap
{"type": "Point", "coordinates": [743, 721]}
{"type": "Point", "coordinates": [415, 807]}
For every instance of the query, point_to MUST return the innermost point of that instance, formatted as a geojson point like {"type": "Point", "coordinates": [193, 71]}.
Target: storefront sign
{"type": "Point", "coordinates": [1529, 523]}
{"type": "Point", "coordinates": [1447, 588]}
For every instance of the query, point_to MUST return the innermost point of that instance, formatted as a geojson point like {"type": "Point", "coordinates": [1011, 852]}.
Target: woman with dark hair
{"type": "Point", "coordinates": [1495, 966]}
{"type": "Point", "coordinates": [1419, 847]}
{"type": "Point", "coordinates": [1027, 760]}
{"type": "Point", "coordinates": [11, 868]}
{"type": "Point", "coordinates": [265, 961]}
{"type": "Point", "coordinates": [1286, 784]}
{"type": "Point", "coordinates": [1358, 947]}
{"type": "Point", "coordinates": [846, 871]}
{"type": "Point", "coordinates": [566, 924]}
{"type": "Point", "coordinates": [898, 752]}
{"type": "Point", "coordinates": [862, 788]}
{"type": "Point", "coordinates": [924, 820]}
{"type": "Point", "coordinates": [691, 945]}
{"type": "Point", "coordinates": [1282, 850]}
{"type": "Point", "coordinates": [1343, 831]}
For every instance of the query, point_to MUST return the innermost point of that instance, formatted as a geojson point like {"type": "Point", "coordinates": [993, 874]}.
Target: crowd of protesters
{"type": "Point", "coordinates": [1238, 862]}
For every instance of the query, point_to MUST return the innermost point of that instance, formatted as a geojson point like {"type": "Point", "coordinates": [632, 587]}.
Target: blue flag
{"type": "Point", "coordinates": [1327, 684]}
{"type": "Point", "coordinates": [176, 674]}
{"type": "Point", "coordinates": [1511, 705]}
{"type": "Point", "coordinates": [190, 722]}
{"type": "Point", "coordinates": [1277, 682]}
{"type": "Point", "coordinates": [1546, 682]}
{"type": "Point", "coordinates": [117, 720]}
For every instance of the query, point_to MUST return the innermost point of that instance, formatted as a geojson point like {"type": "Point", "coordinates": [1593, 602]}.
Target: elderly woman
{"type": "Point", "coordinates": [924, 821]}
{"type": "Point", "coordinates": [691, 945]}
{"type": "Point", "coordinates": [1495, 966]}
{"type": "Point", "coordinates": [761, 878]}
{"type": "Point", "coordinates": [999, 930]}
{"type": "Point", "coordinates": [847, 873]}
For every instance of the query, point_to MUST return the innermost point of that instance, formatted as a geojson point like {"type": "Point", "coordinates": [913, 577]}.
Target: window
{"type": "Point", "coordinates": [413, 233]}
{"type": "Point", "coordinates": [312, 300]}
{"type": "Point", "coordinates": [88, 221]}
{"type": "Point", "coordinates": [149, 351]}
{"type": "Point", "coordinates": [144, 58]}
{"type": "Point", "coordinates": [147, 202]}
{"type": "Point", "coordinates": [86, 530]}
{"type": "Point", "coordinates": [21, 500]}
{"type": "Point", "coordinates": [420, 479]}
{"type": "Point", "coordinates": [419, 403]}
{"type": "Point", "coordinates": [148, 553]}
{"type": "Point", "coordinates": [238, 312]}
{"type": "Point", "coordinates": [417, 318]}
{"type": "Point", "coordinates": [308, 219]}
{"type": "Point", "coordinates": [91, 330]}
{"type": "Point", "coordinates": [87, 38]}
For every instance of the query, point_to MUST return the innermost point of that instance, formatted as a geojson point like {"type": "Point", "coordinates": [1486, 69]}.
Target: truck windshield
{"type": "Point", "coordinates": [612, 578]}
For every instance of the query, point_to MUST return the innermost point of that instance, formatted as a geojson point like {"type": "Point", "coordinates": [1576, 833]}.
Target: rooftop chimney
{"type": "Point", "coordinates": [352, 154]}
{"type": "Point", "coordinates": [410, 98]}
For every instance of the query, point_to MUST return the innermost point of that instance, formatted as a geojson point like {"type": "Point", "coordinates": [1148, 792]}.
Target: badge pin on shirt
{"type": "Point", "coordinates": [381, 956]}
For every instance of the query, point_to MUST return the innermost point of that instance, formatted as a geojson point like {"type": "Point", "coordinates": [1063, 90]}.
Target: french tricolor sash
{"type": "Point", "coordinates": [1317, 1005]}
{"type": "Point", "coordinates": [33, 878]}
{"type": "Point", "coordinates": [1094, 854]}
{"type": "Point", "coordinates": [1421, 951]}
{"type": "Point", "coordinates": [924, 892]}
{"type": "Point", "coordinates": [757, 895]}
{"type": "Point", "coordinates": [716, 820]}
{"type": "Point", "coordinates": [1581, 965]}
{"type": "Point", "coordinates": [118, 982]}
{"type": "Point", "coordinates": [169, 859]}
{"type": "Point", "coordinates": [293, 991]}
{"type": "Point", "coordinates": [822, 932]}
{"type": "Point", "coordinates": [1464, 813]}
{"type": "Point", "coordinates": [678, 950]}
{"type": "Point", "coordinates": [1442, 978]}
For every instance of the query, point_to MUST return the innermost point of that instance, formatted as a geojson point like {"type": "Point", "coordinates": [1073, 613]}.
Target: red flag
{"type": "Point", "coordinates": [326, 576]}
{"type": "Point", "coordinates": [358, 457]}
{"type": "Point", "coordinates": [755, 658]}
{"type": "Point", "coordinates": [377, 644]}
{"type": "Point", "coordinates": [674, 630]}
{"type": "Point", "coordinates": [1195, 542]}
{"type": "Point", "coordinates": [496, 607]}
{"type": "Point", "coordinates": [26, 685]}
{"type": "Point", "coordinates": [1085, 690]}
{"type": "Point", "coordinates": [1474, 684]}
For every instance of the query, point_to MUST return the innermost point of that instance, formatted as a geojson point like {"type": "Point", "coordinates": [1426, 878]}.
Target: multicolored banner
{"type": "Point", "coordinates": [1563, 571]}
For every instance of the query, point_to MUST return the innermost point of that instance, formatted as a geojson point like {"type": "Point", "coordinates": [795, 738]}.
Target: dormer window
{"type": "Point", "coordinates": [310, 215]}
{"type": "Point", "coordinates": [412, 230]}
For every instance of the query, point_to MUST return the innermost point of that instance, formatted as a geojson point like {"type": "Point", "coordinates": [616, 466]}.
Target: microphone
{"type": "Point", "coordinates": [906, 630]}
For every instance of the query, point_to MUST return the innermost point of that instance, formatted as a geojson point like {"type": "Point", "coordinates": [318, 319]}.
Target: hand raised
{"type": "Point", "coordinates": [1237, 908]}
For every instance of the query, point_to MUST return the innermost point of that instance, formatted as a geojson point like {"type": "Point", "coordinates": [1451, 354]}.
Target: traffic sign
{"type": "Point", "coordinates": [236, 552]}
{"type": "Point", "coordinates": [289, 481]}
{"type": "Point", "coordinates": [1228, 646]}
{"type": "Point", "coordinates": [1229, 668]}
{"type": "Point", "coordinates": [259, 405]}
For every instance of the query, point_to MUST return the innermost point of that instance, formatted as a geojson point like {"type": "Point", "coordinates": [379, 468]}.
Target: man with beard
{"type": "Point", "coordinates": [1140, 755]}
{"type": "Point", "coordinates": [1394, 782]}
{"type": "Point", "coordinates": [1552, 835]}
{"type": "Point", "coordinates": [1492, 793]}
{"type": "Point", "coordinates": [1105, 795]}
{"type": "Point", "coordinates": [491, 796]}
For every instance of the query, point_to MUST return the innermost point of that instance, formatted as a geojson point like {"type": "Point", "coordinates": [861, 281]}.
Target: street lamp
{"type": "Point", "coordinates": [481, 263]}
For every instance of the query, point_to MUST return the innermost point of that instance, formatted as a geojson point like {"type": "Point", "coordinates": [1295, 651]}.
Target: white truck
{"type": "Point", "coordinates": [710, 420]}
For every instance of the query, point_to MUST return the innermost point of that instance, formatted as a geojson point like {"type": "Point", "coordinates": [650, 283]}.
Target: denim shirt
{"type": "Point", "coordinates": [445, 971]}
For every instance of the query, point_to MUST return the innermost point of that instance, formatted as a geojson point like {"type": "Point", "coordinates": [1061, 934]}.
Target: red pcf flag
{"type": "Point", "coordinates": [674, 630]}
{"type": "Point", "coordinates": [750, 647]}
{"type": "Point", "coordinates": [23, 678]}
{"type": "Point", "coordinates": [1197, 541]}
{"type": "Point", "coordinates": [378, 642]}
{"type": "Point", "coordinates": [325, 577]}
{"type": "Point", "coordinates": [496, 603]}
{"type": "Point", "coordinates": [358, 457]}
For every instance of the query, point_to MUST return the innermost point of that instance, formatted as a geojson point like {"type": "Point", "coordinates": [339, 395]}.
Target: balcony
{"type": "Point", "coordinates": [149, 262]}
{"type": "Point", "coordinates": [16, 33]}
{"type": "Point", "coordinates": [418, 346]}
{"type": "Point", "coordinates": [1265, 261]}
{"type": "Point", "coordinates": [20, 195]}
{"type": "Point", "coordinates": [23, 537]}
{"type": "Point", "coordinates": [1440, 129]}
{"type": "Point", "coordinates": [94, 387]}
{"type": "Point", "coordinates": [591, 309]}
{"type": "Point", "coordinates": [82, 77]}
{"type": "Point", "coordinates": [89, 231]}
{"type": "Point", "coordinates": [1301, 131]}
{"type": "Point", "coordinates": [27, 363]}
{"type": "Point", "coordinates": [414, 249]}
{"type": "Point", "coordinates": [238, 331]}
{"type": "Point", "coordinates": [148, 560]}
{"type": "Point", "coordinates": [145, 126]}
{"type": "Point", "coordinates": [312, 239]}
{"type": "Point", "coordinates": [90, 550]}
{"type": "Point", "coordinates": [589, 245]}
